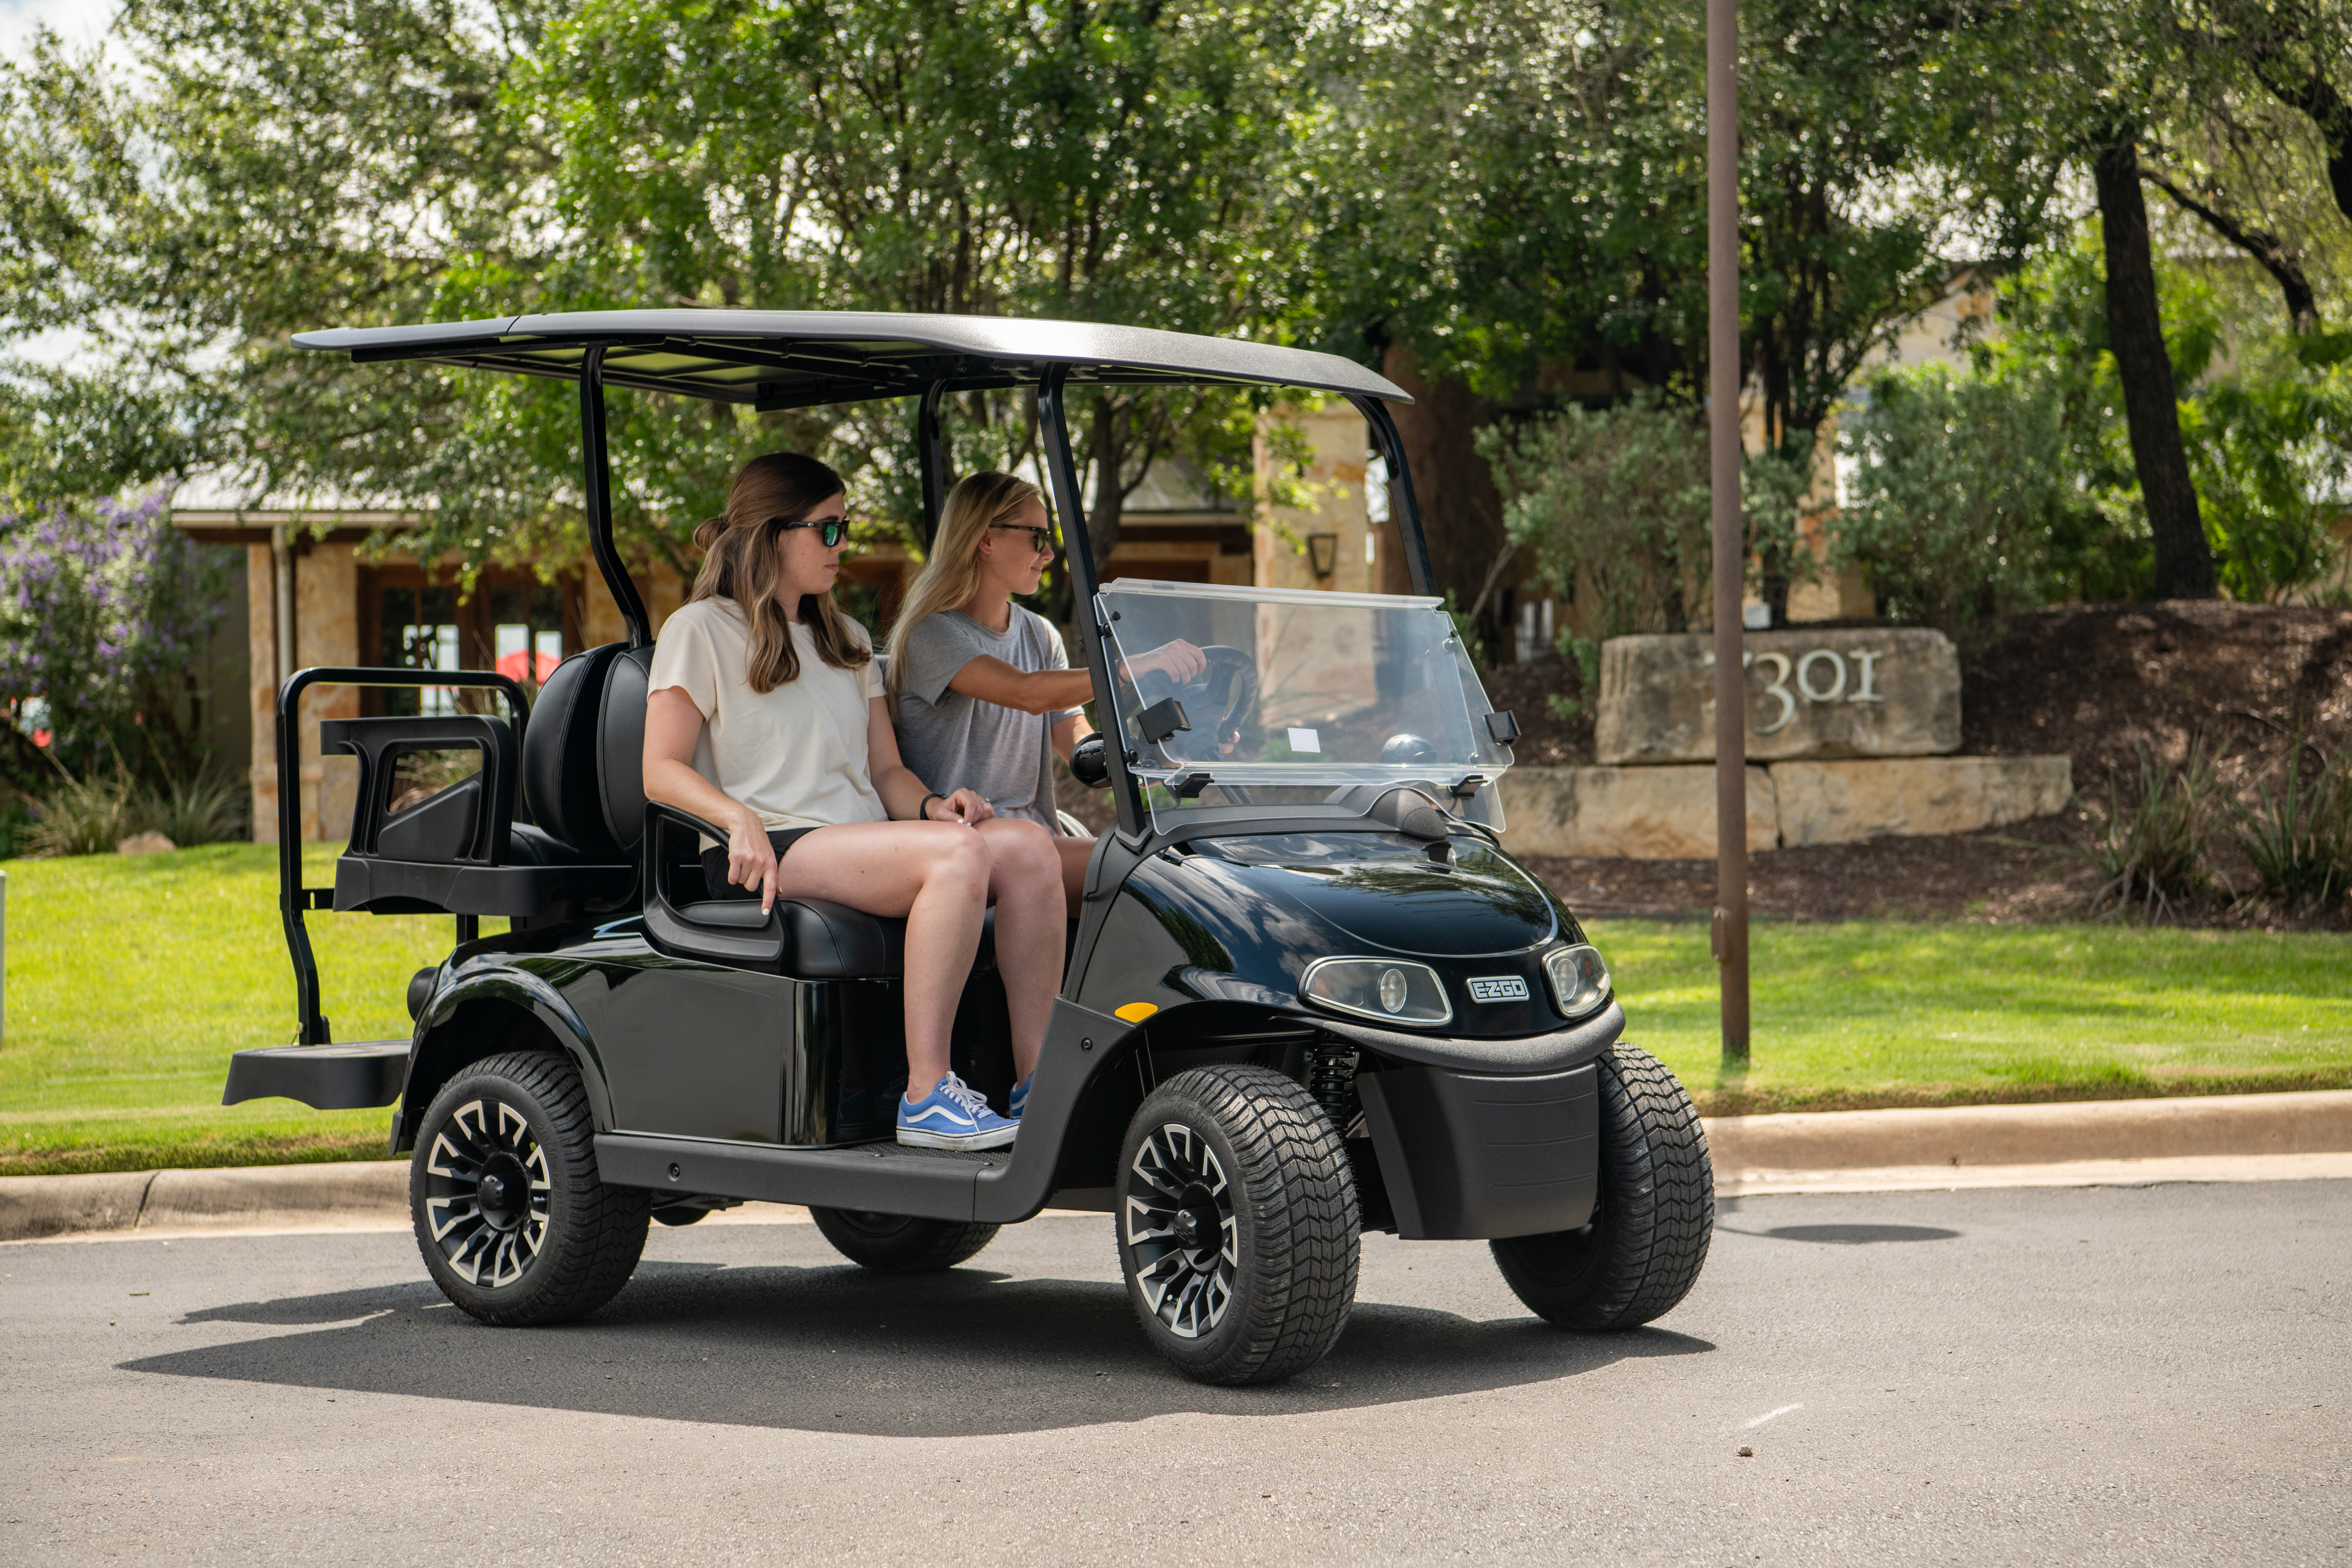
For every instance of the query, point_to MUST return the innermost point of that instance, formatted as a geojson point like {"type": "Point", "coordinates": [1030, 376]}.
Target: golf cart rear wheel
{"type": "Point", "coordinates": [513, 1220]}
{"type": "Point", "coordinates": [1237, 1225]}
{"type": "Point", "coordinates": [896, 1244]}
{"type": "Point", "coordinates": [1651, 1224]}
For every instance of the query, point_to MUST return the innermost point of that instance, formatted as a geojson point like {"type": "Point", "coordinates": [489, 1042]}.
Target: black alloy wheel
{"type": "Point", "coordinates": [1237, 1225]}
{"type": "Point", "coordinates": [1181, 1230]}
{"type": "Point", "coordinates": [1647, 1240]}
{"type": "Point", "coordinates": [900, 1244]}
{"type": "Point", "coordinates": [515, 1226]}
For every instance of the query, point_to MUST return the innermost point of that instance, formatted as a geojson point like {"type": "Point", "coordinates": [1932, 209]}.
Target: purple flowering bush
{"type": "Point", "coordinates": [105, 611]}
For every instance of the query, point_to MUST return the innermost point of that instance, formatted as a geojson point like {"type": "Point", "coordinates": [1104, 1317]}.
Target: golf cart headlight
{"type": "Point", "coordinates": [1389, 990]}
{"type": "Point", "coordinates": [1579, 981]}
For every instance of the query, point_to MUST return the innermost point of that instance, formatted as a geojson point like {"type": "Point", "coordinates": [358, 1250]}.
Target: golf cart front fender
{"type": "Point", "coordinates": [1485, 1138]}
{"type": "Point", "coordinates": [485, 1009]}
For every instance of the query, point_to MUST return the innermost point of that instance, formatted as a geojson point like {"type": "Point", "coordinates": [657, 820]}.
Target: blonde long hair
{"type": "Point", "coordinates": [949, 578]}
{"type": "Point", "coordinates": [738, 563]}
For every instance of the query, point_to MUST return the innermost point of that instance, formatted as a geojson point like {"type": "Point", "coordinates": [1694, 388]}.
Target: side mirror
{"type": "Point", "coordinates": [1090, 762]}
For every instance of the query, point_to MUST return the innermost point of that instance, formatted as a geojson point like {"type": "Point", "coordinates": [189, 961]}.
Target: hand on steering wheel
{"type": "Point", "coordinates": [1179, 660]}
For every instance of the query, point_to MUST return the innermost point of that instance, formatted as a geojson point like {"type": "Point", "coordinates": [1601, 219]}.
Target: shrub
{"type": "Point", "coordinates": [91, 816]}
{"type": "Point", "coordinates": [102, 611]}
{"type": "Point", "coordinates": [1616, 505]}
{"type": "Point", "coordinates": [2300, 839]}
{"type": "Point", "coordinates": [2155, 846]}
{"type": "Point", "coordinates": [1956, 487]}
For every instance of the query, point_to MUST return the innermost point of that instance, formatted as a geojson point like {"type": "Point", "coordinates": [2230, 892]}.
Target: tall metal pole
{"type": "Point", "coordinates": [1730, 925]}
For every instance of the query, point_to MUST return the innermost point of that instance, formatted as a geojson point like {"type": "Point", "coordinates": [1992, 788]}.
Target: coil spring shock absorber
{"type": "Point", "coordinates": [1332, 1082]}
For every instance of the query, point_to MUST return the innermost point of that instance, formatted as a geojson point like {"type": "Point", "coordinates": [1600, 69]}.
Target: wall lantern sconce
{"type": "Point", "coordinates": [1323, 553]}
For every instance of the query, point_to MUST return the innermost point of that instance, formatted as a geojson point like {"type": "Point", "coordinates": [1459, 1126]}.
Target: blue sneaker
{"type": "Point", "coordinates": [952, 1116]}
{"type": "Point", "coordinates": [1020, 1099]}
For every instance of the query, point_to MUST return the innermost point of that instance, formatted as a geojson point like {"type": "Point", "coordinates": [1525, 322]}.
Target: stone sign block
{"type": "Point", "coordinates": [1845, 802]}
{"type": "Point", "coordinates": [1643, 814]}
{"type": "Point", "coordinates": [1843, 693]}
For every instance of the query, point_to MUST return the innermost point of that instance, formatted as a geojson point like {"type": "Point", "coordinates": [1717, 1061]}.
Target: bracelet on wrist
{"type": "Point", "coordinates": [923, 812]}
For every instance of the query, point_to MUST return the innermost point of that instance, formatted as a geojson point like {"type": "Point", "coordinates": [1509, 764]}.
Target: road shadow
{"type": "Point", "coordinates": [968, 1353]}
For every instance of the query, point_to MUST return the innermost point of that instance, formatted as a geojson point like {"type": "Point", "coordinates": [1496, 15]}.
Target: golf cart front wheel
{"type": "Point", "coordinates": [896, 1244]}
{"type": "Point", "coordinates": [515, 1225]}
{"type": "Point", "coordinates": [1647, 1240]}
{"type": "Point", "coordinates": [1237, 1225]}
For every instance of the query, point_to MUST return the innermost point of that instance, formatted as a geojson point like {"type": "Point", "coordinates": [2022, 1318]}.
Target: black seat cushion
{"type": "Point", "coordinates": [823, 939]}
{"type": "Point", "coordinates": [529, 846]}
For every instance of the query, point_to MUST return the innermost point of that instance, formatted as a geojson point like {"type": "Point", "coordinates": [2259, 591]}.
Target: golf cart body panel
{"type": "Point", "coordinates": [1323, 803]}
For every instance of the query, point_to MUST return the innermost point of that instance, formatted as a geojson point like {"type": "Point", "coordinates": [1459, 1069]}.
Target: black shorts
{"type": "Point", "coordinates": [714, 863]}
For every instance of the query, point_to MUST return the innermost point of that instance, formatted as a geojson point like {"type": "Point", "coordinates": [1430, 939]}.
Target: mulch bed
{"type": "Point", "coordinates": [2092, 681]}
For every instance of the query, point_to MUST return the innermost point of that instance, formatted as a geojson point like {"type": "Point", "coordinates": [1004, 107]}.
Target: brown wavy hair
{"type": "Point", "coordinates": [738, 563]}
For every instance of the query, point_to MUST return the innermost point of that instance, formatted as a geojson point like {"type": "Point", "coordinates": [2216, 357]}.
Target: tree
{"type": "Point", "coordinates": [260, 167]}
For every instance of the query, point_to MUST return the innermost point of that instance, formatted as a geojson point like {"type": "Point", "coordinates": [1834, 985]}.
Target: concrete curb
{"type": "Point", "coordinates": [2311, 1122]}
{"type": "Point", "coordinates": [1845, 1151]}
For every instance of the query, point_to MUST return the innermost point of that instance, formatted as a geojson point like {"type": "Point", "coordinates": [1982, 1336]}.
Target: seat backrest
{"type": "Point", "coordinates": [620, 747]}
{"type": "Point", "coordinates": [563, 750]}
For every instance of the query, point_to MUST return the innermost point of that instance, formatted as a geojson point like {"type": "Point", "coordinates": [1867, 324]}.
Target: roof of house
{"type": "Point", "coordinates": [791, 358]}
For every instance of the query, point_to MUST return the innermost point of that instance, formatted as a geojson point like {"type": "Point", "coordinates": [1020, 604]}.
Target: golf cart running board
{"type": "Point", "coordinates": [887, 1178]}
{"type": "Point", "coordinates": [356, 1076]}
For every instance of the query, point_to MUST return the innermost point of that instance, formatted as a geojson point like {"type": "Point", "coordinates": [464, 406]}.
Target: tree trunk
{"type": "Point", "coordinates": [2184, 562]}
{"type": "Point", "coordinates": [1461, 510]}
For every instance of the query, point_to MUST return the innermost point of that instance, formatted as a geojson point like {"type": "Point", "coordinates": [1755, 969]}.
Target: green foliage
{"type": "Point", "coordinates": [2157, 845]}
{"type": "Point", "coordinates": [90, 815]}
{"type": "Point", "coordinates": [2300, 840]}
{"type": "Point", "coordinates": [2270, 445]}
{"type": "Point", "coordinates": [1960, 486]}
{"type": "Point", "coordinates": [1614, 506]}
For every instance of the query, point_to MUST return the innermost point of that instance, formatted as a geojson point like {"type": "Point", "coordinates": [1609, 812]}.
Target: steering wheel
{"type": "Point", "coordinates": [1228, 687]}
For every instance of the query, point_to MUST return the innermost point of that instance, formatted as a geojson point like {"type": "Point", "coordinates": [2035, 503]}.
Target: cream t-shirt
{"type": "Point", "coordinates": [795, 756]}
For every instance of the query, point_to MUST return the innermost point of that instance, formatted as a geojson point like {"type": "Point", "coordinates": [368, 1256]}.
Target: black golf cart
{"type": "Point", "coordinates": [1309, 995]}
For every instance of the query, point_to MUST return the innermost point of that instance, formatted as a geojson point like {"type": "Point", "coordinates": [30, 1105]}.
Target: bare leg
{"type": "Point", "coordinates": [1075, 854]}
{"type": "Point", "coordinates": [934, 875]}
{"type": "Point", "coordinates": [1024, 883]}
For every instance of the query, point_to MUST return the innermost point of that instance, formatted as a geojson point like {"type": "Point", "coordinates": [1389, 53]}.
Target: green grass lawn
{"type": "Point", "coordinates": [132, 979]}
{"type": "Point", "coordinates": [1871, 1013]}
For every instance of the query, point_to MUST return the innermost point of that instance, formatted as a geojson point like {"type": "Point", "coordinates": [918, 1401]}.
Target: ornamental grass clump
{"type": "Point", "coordinates": [2300, 840]}
{"type": "Point", "coordinates": [2155, 848]}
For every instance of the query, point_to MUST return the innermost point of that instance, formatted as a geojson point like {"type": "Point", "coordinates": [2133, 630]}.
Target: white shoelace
{"type": "Point", "coordinates": [964, 1094]}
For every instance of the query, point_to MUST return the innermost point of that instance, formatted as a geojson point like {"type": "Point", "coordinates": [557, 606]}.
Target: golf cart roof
{"type": "Point", "coordinates": [791, 358]}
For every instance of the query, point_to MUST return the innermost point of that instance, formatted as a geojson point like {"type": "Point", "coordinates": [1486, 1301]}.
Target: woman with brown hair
{"type": "Point", "coordinates": [765, 717]}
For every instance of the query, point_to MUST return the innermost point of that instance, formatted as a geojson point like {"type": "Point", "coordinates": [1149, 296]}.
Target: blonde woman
{"type": "Point", "coordinates": [982, 689]}
{"type": "Point", "coordinates": [765, 717]}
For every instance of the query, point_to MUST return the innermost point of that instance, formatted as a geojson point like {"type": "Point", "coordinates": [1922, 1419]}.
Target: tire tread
{"type": "Point", "coordinates": [1305, 1224]}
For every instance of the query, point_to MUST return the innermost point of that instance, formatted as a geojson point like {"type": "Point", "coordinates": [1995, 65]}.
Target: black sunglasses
{"type": "Point", "coordinates": [1041, 540]}
{"type": "Point", "coordinates": [832, 530]}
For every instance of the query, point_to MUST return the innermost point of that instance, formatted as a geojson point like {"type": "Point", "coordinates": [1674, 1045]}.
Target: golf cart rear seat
{"type": "Point", "coordinates": [459, 851]}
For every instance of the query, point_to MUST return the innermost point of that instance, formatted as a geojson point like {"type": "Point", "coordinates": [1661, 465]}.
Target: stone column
{"type": "Point", "coordinates": [326, 632]}
{"type": "Point", "coordinates": [261, 621]}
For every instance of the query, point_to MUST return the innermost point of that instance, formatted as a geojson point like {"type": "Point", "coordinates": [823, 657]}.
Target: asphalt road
{"type": "Point", "coordinates": [2095, 1376]}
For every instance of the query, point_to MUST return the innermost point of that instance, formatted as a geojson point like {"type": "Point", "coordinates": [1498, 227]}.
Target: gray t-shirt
{"type": "Point", "coordinates": [954, 741]}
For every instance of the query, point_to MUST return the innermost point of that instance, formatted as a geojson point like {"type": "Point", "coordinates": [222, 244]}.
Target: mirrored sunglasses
{"type": "Point", "coordinates": [832, 530]}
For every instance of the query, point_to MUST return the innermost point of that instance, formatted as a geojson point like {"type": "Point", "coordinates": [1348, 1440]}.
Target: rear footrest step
{"type": "Point", "coordinates": [350, 1077]}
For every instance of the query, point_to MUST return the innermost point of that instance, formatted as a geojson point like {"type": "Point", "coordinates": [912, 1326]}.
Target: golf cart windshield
{"type": "Point", "coordinates": [1296, 688]}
